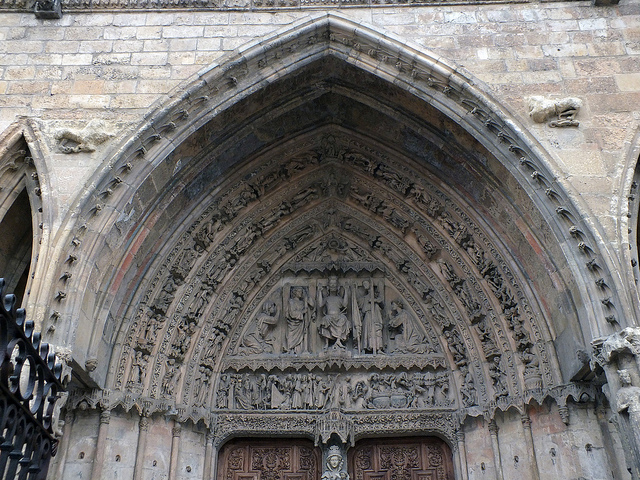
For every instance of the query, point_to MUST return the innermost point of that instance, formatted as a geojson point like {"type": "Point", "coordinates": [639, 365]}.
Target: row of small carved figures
{"type": "Point", "coordinates": [309, 391]}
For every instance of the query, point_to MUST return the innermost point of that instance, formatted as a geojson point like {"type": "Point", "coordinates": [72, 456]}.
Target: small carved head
{"type": "Point", "coordinates": [625, 377]}
{"type": "Point", "coordinates": [334, 460]}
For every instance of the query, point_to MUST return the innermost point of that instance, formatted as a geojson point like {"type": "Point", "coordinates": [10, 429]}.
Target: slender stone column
{"type": "Point", "coordinates": [143, 427]}
{"type": "Point", "coordinates": [208, 457]}
{"type": "Point", "coordinates": [462, 453]}
{"type": "Point", "coordinates": [175, 450]}
{"type": "Point", "coordinates": [493, 431]}
{"type": "Point", "coordinates": [63, 448]}
{"type": "Point", "coordinates": [531, 451]}
{"type": "Point", "coordinates": [98, 458]}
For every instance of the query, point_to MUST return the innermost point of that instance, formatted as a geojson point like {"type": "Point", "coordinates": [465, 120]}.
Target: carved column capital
{"type": "Point", "coordinates": [176, 430]}
{"type": "Point", "coordinates": [626, 341]}
{"type": "Point", "coordinates": [68, 416]}
{"type": "Point", "coordinates": [105, 416]}
{"type": "Point", "coordinates": [144, 423]}
{"type": "Point", "coordinates": [526, 420]}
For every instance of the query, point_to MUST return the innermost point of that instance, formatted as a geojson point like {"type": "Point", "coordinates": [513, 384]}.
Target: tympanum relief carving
{"type": "Point", "coordinates": [322, 314]}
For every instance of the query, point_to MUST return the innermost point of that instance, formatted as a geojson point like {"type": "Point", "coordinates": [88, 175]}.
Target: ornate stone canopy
{"type": "Point", "coordinates": [354, 230]}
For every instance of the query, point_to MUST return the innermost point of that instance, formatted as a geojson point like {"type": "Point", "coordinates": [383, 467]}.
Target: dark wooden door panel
{"type": "Point", "coordinates": [401, 459]}
{"type": "Point", "coordinates": [269, 460]}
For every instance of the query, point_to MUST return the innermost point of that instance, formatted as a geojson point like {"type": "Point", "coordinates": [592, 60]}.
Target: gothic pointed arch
{"type": "Point", "coordinates": [21, 211]}
{"type": "Point", "coordinates": [333, 161]}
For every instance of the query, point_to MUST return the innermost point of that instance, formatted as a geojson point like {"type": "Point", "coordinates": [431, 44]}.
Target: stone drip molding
{"type": "Point", "coordinates": [89, 6]}
{"type": "Point", "coordinates": [445, 87]}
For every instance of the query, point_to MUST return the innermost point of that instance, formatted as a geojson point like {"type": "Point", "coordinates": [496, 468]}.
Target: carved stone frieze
{"type": "Point", "coordinates": [318, 391]}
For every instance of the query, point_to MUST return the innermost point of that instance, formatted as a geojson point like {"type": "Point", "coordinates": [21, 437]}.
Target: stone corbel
{"type": "Point", "coordinates": [48, 9]}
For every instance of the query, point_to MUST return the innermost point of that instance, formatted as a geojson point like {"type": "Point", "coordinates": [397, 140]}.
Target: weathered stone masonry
{"type": "Point", "coordinates": [332, 223]}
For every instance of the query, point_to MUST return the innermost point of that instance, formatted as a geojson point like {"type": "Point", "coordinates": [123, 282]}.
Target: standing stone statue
{"type": "Point", "coordinates": [405, 330]}
{"type": "Point", "coordinates": [299, 309]}
{"type": "Point", "coordinates": [334, 326]}
{"type": "Point", "coordinates": [370, 304]}
{"type": "Point", "coordinates": [139, 367]}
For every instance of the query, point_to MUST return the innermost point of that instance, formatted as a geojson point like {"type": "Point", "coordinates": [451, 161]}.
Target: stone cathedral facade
{"type": "Point", "coordinates": [314, 240]}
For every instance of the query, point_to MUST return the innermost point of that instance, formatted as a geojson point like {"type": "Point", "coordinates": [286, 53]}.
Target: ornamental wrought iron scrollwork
{"type": "Point", "coordinates": [30, 385]}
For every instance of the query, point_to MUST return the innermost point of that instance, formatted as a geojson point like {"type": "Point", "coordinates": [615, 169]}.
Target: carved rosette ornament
{"type": "Point", "coordinates": [334, 278]}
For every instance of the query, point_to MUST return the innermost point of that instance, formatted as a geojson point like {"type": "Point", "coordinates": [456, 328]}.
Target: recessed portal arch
{"type": "Point", "coordinates": [361, 159]}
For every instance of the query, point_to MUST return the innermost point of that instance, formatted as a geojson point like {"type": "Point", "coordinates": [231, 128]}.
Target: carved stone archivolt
{"type": "Point", "coordinates": [338, 278]}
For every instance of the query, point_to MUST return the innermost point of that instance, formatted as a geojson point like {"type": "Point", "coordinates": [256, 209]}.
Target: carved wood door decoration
{"type": "Point", "coordinates": [269, 460]}
{"type": "Point", "coordinates": [403, 459]}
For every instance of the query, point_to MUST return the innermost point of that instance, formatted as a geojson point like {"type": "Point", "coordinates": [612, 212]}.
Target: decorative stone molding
{"type": "Point", "coordinates": [250, 5]}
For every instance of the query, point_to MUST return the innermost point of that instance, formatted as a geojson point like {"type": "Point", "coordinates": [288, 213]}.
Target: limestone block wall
{"type": "Point", "coordinates": [116, 65]}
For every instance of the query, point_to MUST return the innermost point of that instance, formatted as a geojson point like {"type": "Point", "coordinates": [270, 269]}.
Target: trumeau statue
{"type": "Point", "coordinates": [335, 465]}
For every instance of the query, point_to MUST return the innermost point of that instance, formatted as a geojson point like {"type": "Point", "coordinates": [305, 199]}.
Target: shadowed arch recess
{"type": "Point", "coordinates": [422, 163]}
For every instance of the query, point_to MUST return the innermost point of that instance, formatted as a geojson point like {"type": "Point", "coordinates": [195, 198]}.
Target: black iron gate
{"type": "Point", "coordinates": [30, 384]}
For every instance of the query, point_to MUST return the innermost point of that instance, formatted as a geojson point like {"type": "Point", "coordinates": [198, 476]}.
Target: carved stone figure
{"type": "Point", "coordinates": [165, 297]}
{"type": "Point", "coordinates": [201, 388]}
{"type": "Point", "coordinates": [456, 347]}
{"type": "Point", "coordinates": [73, 140]}
{"type": "Point", "coordinates": [628, 396]}
{"type": "Point", "coordinates": [171, 378]}
{"type": "Point", "coordinates": [468, 388]}
{"type": "Point", "coordinates": [299, 312]}
{"type": "Point", "coordinates": [139, 367]}
{"type": "Point", "coordinates": [258, 339]}
{"type": "Point", "coordinates": [335, 465]}
{"type": "Point", "coordinates": [334, 326]}
{"type": "Point", "coordinates": [370, 305]}
{"type": "Point", "coordinates": [497, 376]}
{"type": "Point", "coordinates": [564, 109]}
{"type": "Point", "coordinates": [405, 330]}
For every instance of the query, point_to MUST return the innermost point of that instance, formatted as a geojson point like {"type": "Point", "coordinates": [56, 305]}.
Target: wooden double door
{"type": "Point", "coordinates": [425, 458]}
